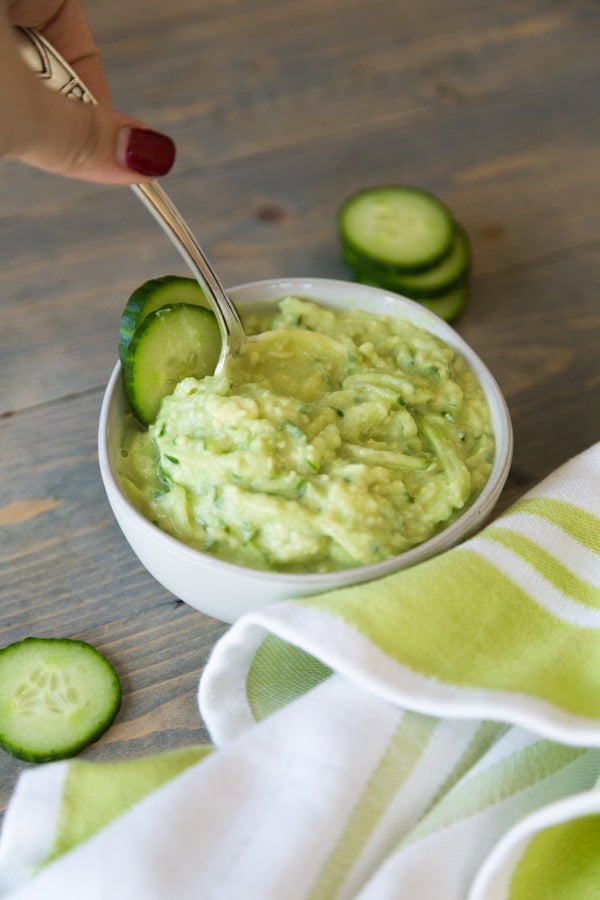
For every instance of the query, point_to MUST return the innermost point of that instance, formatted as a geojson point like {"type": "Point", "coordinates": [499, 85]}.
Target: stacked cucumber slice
{"type": "Point", "coordinates": [167, 333]}
{"type": "Point", "coordinates": [395, 237]}
{"type": "Point", "coordinates": [405, 240]}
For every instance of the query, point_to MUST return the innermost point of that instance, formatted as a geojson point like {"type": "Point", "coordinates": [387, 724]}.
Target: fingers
{"type": "Point", "coordinates": [87, 142]}
{"type": "Point", "coordinates": [67, 137]}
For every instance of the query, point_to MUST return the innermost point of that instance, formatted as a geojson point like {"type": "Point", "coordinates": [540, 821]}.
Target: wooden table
{"type": "Point", "coordinates": [279, 110]}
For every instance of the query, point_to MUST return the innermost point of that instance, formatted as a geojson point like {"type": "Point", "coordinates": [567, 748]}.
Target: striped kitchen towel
{"type": "Point", "coordinates": [434, 734]}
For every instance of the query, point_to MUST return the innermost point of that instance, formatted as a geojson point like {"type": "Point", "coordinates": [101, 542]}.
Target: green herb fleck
{"type": "Point", "coordinates": [248, 532]}
{"type": "Point", "coordinates": [293, 431]}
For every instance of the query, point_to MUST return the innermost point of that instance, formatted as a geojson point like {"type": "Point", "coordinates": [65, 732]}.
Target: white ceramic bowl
{"type": "Point", "coordinates": [226, 591]}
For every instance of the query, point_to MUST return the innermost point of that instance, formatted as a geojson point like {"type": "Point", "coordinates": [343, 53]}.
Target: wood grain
{"type": "Point", "coordinates": [505, 204]}
{"type": "Point", "coordinates": [66, 570]}
{"type": "Point", "coordinates": [280, 110]}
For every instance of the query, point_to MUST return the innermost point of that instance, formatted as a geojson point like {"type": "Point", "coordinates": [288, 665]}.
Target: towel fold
{"type": "Point", "coordinates": [435, 733]}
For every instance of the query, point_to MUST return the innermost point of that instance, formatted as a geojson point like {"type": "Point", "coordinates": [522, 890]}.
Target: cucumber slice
{"type": "Point", "coordinates": [447, 306]}
{"type": "Point", "coordinates": [450, 305]}
{"type": "Point", "coordinates": [154, 294]}
{"type": "Point", "coordinates": [396, 227]}
{"type": "Point", "coordinates": [432, 282]}
{"type": "Point", "coordinates": [172, 343]}
{"type": "Point", "coordinates": [57, 696]}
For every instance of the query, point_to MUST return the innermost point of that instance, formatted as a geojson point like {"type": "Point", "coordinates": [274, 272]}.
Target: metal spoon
{"type": "Point", "coordinates": [49, 65]}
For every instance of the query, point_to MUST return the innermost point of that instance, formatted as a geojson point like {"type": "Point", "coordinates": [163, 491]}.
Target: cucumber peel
{"type": "Point", "coordinates": [435, 281]}
{"type": "Point", "coordinates": [376, 222]}
{"type": "Point", "coordinates": [152, 295]}
{"type": "Point", "coordinates": [172, 343]}
{"type": "Point", "coordinates": [447, 306]}
{"type": "Point", "coordinates": [396, 227]}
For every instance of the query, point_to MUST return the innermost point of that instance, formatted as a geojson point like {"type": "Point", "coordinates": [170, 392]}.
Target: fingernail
{"type": "Point", "coordinates": [144, 151]}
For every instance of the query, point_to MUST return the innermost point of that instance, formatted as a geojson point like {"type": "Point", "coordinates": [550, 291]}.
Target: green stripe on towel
{"type": "Point", "coordinates": [582, 526]}
{"type": "Point", "coordinates": [394, 768]}
{"type": "Point", "coordinates": [546, 565]}
{"type": "Point", "coordinates": [460, 620]}
{"type": "Point", "coordinates": [561, 862]}
{"type": "Point", "coordinates": [96, 793]}
{"type": "Point", "coordinates": [278, 674]}
{"type": "Point", "coordinates": [513, 774]}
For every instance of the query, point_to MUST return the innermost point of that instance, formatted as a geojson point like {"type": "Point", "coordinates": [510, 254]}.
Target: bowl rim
{"type": "Point", "coordinates": [464, 525]}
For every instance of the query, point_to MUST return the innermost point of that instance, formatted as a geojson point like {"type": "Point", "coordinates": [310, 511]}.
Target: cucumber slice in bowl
{"type": "Point", "coordinates": [396, 227]}
{"type": "Point", "coordinates": [172, 343]}
{"type": "Point", "coordinates": [57, 696]}
{"type": "Point", "coordinates": [152, 295]}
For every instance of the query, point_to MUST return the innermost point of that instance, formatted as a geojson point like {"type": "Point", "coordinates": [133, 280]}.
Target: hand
{"type": "Point", "coordinates": [51, 132]}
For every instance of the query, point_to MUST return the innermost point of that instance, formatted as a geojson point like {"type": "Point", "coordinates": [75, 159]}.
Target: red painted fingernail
{"type": "Point", "coordinates": [149, 152]}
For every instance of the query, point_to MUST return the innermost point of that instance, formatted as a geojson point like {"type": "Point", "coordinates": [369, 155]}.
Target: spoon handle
{"type": "Point", "coordinates": [49, 66]}
{"type": "Point", "coordinates": [158, 202]}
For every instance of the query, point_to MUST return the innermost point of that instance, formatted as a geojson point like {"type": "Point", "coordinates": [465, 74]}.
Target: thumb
{"type": "Point", "coordinates": [67, 137]}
